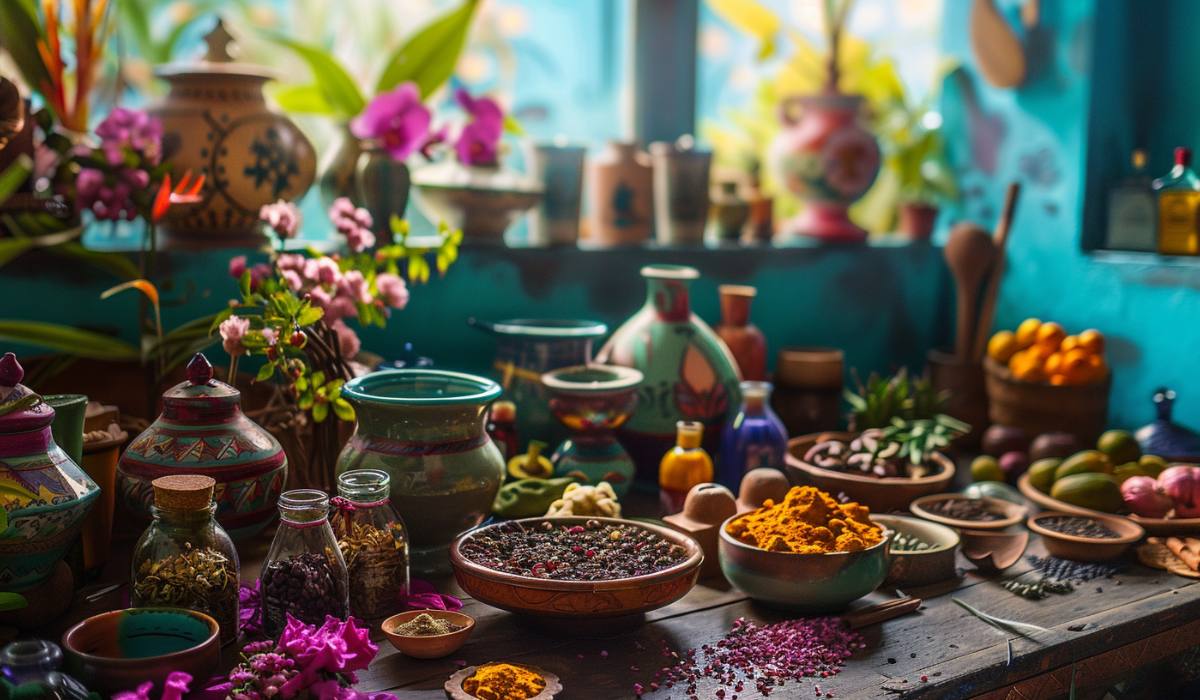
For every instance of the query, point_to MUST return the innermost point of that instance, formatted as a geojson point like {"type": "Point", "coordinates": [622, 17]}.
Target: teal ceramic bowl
{"type": "Point", "coordinates": [121, 649]}
{"type": "Point", "coordinates": [807, 583]}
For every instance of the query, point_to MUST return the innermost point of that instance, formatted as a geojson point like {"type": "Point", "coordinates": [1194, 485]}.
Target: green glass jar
{"type": "Point", "coordinates": [373, 541]}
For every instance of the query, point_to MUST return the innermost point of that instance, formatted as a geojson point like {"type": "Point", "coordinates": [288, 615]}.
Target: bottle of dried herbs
{"type": "Point", "coordinates": [304, 574]}
{"type": "Point", "coordinates": [185, 558]}
{"type": "Point", "coordinates": [373, 541]}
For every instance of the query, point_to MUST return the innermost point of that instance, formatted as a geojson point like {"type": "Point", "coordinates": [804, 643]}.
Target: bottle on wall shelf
{"type": "Point", "coordinates": [1178, 200]}
{"type": "Point", "coordinates": [1132, 210]}
{"type": "Point", "coordinates": [502, 426]}
{"type": "Point", "coordinates": [686, 465]}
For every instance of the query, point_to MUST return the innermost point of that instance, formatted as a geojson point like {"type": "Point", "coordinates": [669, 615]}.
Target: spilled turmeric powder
{"type": "Point", "coordinates": [502, 681]}
{"type": "Point", "coordinates": [807, 521]}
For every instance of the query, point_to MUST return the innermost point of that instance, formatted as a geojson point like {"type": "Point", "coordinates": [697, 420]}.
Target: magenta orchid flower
{"type": "Point", "coordinates": [395, 120]}
{"type": "Point", "coordinates": [478, 142]}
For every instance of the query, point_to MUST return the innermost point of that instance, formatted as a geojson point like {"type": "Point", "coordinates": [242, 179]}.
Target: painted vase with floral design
{"type": "Point", "coordinates": [216, 123]}
{"type": "Point", "coordinates": [829, 160]}
{"type": "Point", "coordinates": [689, 372]}
{"type": "Point", "coordinates": [202, 430]}
{"type": "Point", "coordinates": [44, 494]}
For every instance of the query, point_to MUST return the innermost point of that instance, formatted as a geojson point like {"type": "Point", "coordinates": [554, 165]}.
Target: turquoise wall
{"type": "Point", "coordinates": [1097, 68]}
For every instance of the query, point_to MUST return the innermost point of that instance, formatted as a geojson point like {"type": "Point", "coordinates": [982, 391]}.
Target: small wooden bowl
{"type": "Point", "coordinates": [1010, 512]}
{"type": "Point", "coordinates": [920, 568]}
{"type": "Point", "coordinates": [433, 646]}
{"type": "Point", "coordinates": [454, 689]}
{"type": "Point", "coordinates": [1065, 546]}
{"type": "Point", "coordinates": [992, 551]}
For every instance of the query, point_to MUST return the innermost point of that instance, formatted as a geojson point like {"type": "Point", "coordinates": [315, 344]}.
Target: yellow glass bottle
{"type": "Point", "coordinates": [1178, 206]}
{"type": "Point", "coordinates": [686, 465]}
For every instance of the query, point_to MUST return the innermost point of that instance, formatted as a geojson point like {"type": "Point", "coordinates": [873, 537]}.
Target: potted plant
{"type": "Point", "coordinates": [915, 151]}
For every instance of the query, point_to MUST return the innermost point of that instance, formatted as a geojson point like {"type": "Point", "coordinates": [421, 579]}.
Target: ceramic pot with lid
{"type": "Point", "coordinates": [216, 122]}
{"type": "Point", "coordinates": [202, 430]}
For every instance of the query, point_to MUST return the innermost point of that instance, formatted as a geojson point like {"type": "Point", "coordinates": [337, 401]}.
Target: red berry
{"type": "Point", "coordinates": [298, 339]}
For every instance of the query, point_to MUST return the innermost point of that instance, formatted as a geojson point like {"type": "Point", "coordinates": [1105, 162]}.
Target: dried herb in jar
{"type": "Point", "coordinates": [198, 578]}
{"type": "Point", "coordinates": [378, 565]}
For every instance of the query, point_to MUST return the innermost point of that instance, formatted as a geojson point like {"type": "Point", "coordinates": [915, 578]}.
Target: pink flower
{"type": "Point", "coordinates": [258, 274]}
{"type": "Point", "coordinates": [479, 141]}
{"type": "Point", "coordinates": [483, 110]}
{"type": "Point", "coordinates": [291, 261]}
{"type": "Point", "coordinates": [352, 222]}
{"type": "Point", "coordinates": [237, 266]}
{"type": "Point", "coordinates": [233, 331]}
{"type": "Point", "coordinates": [109, 196]}
{"type": "Point", "coordinates": [348, 341]}
{"type": "Point", "coordinates": [354, 286]}
{"type": "Point", "coordinates": [392, 290]}
{"type": "Point", "coordinates": [130, 129]}
{"type": "Point", "coordinates": [292, 279]}
{"type": "Point", "coordinates": [396, 120]}
{"type": "Point", "coordinates": [423, 596]}
{"type": "Point", "coordinates": [340, 307]}
{"type": "Point", "coordinates": [174, 688]}
{"type": "Point", "coordinates": [323, 270]}
{"type": "Point", "coordinates": [270, 336]}
{"type": "Point", "coordinates": [332, 690]}
{"type": "Point", "coordinates": [281, 217]}
{"type": "Point", "coordinates": [141, 693]}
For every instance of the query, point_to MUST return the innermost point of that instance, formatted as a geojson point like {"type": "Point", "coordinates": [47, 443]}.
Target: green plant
{"type": "Point", "coordinates": [919, 438]}
{"type": "Point", "coordinates": [881, 400]}
{"type": "Point", "coordinates": [915, 150]}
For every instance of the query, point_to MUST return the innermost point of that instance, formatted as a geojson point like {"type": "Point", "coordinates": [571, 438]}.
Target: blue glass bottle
{"type": "Point", "coordinates": [754, 436]}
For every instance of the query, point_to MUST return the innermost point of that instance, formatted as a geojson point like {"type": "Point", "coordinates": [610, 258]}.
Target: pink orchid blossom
{"type": "Point", "coordinates": [281, 217]}
{"type": "Point", "coordinates": [233, 331]}
{"type": "Point", "coordinates": [130, 129]}
{"type": "Point", "coordinates": [348, 342]}
{"type": "Point", "coordinates": [478, 142]}
{"type": "Point", "coordinates": [396, 121]}
{"type": "Point", "coordinates": [483, 110]}
{"type": "Point", "coordinates": [237, 266]}
{"type": "Point", "coordinates": [174, 688]}
{"type": "Point", "coordinates": [392, 290]}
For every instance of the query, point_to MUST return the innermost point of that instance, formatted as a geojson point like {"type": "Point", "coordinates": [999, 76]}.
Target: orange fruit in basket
{"type": "Point", "coordinates": [1069, 343]}
{"type": "Point", "coordinates": [1058, 379]}
{"type": "Point", "coordinates": [1053, 364]}
{"type": "Point", "coordinates": [1097, 367]}
{"type": "Point", "coordinates": [1051, 335]}
{"type": "Point", "coordinates": [1002, 346]}
{"type": "Point", "coordinates": [1027, 366]}
{"type": "Point", "coordinates": [1092, 340]}
{"type": "Point", "coordinates": [1027, 332]}
{"type": "Point", "coordinates": [1077, 367]}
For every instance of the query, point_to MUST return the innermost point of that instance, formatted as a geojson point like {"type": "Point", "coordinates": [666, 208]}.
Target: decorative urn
{"type": "Point", "coordinates": [216, 122]}
{"type": "Point", "coordinates": [202, 430]}
{"type": "Point", "coordinates": [827, 158]}
{"type": "Point", "coordinates": [44, 495]}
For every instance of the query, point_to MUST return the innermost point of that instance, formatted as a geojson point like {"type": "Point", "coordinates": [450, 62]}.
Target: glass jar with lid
{"type": "Point", "coordinates": [304, 574]}
{"type": "Point", "coordinates": [373, 542]}
{"type": "Point", "coordinates": [185, 559]}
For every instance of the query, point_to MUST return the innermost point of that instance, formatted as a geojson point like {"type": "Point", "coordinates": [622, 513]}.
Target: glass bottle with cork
{"type": "Point", "coordinates": [185, 558]}
{"type": "Point", "coordinates": [684, 466]}
{"type": "Point", "coordinates": [304, 574]}
{"type": "Point", "coordinates": [373, 542]}
{"type": "Point", "coordinates": [1178, 204]}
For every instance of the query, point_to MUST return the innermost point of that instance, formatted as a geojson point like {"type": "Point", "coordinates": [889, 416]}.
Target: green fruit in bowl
{"type": "Point", "coordinates": [986, 468]}
{"type": "Point", "coordinates": [1152, 465]}
{"type": "Point", "coordinates": [1120, 446]}
{"type": "Point", "coordinates": [1127, 470]}
{"type": "Point", "coordinates": [1089, 490]}
{"type": "Point", "coordinates": [1082, 462]}
{"type": "Point", "coordinates": [1041, 474]}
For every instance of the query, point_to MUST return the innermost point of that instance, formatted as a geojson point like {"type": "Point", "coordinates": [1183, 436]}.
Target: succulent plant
{"type": "Point", "coordinates": [883, 399]}
{"type": "Point", "coordinates": [902, 448]}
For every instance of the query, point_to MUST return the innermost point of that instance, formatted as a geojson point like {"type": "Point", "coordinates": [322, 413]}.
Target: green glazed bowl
{"type": "Point", "coordinates": [807, 583]}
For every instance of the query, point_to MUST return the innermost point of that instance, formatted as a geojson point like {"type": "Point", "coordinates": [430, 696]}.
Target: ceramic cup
{"type": "Point", "coordinates": [559, 169]}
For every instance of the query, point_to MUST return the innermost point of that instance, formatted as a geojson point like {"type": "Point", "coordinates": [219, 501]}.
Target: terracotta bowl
{"type": "Point", "coordinates": [430, 646]}
{"type": "Point", "coordinates": [992, 551]}
{"type": "Point", "coordinates": [1010, 513]}
{"type": "Point", "coordinates": [121, 649]}
{"type": "Point", "coordinates": [921, 568]}
{"type": "Point", "coordinates": [881, 495]}
{"type": "Point", "coordinates": [454, 689]}
{"type": "Point", "coordinates": [1154, 526]}
{"type": "Point", "coordinates": [1066, 546]}
{"type": "Point", "coordinates": [808, 583]}
{"type": "Point", "coordinates": [576, 600]}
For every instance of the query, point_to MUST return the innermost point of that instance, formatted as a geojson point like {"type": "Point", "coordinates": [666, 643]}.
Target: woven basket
{"type": "Point", "coordinates": [1037, 407]}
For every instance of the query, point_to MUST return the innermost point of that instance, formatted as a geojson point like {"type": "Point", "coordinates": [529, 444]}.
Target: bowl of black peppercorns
{"type": "Point", "coordinates": [576, 567]}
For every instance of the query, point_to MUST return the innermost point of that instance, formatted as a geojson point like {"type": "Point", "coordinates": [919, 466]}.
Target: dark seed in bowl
{"type": "Point", "coordinates": [594, 551]}
{"type": "Point", "coordinates": [1078, 526]}
{"type": "Point", "coordinates": [963, 509]}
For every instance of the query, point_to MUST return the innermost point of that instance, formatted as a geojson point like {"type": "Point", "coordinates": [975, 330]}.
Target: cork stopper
{"type": "Point", "coordinates": [183, 491]}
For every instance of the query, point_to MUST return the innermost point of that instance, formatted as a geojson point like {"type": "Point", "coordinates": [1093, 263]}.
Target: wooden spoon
{"type": "Point", "coordinates": [969, 253]}
{"type": "Point", "coordinates": [998, 52]}
{"type": "Point", "coordinates": [987, 308]}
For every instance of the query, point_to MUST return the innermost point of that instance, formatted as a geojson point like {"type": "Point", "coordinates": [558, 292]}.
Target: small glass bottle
{"type": "Point", "coordinates": [502, 426]}
{"type": "Point", "coordinates": [304, 574]}
{"type": "Point", "coordinates": [373, 542]}
{"type": "Point", "coordinates": [686, 465]}
{"type": "Point", "coordinates": [1132, 210]}
{"type": "Point", "coordinates": [185, 559]}
{"type": "Point", "coordinates": [32, 666]}
{"type": "Point", "coordinates": [1178, 202]}
{"type": "Point", "coordinates": [754, 436]}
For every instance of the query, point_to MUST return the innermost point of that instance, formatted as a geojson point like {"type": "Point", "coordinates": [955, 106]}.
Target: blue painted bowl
{"type": "Point", "coordinates": [807, 583]}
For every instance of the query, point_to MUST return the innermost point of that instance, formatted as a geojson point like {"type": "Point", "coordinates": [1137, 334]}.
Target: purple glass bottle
{"type": "Point", "coordinates": [753, 437]}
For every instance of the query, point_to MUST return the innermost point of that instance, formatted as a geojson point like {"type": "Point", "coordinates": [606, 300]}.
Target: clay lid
{"type": "Point", "coordinates": [817, 368]}
{"type": "Point", "coordinates": [31, 417]}
{"type": "Point", "coordinates": [218, 61]}
{"type": "Point", "coordinates": [709, 503]}
{"type": "Point", "coordinates": [201, 392]}
{"type": "Point", "coordinates": [183, 491]}
{"type": "Point", "coordinates": [760, 484]}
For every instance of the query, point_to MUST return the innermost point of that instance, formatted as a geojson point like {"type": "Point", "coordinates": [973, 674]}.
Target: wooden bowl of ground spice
{"type": "Point", "coordinates": [957, 510]}
{"type": "Point", "coordinates": [428, 634]}
{"type": "Point", "coordinates": [502, 681]}
{"type": "Point", "coordinates": [1085, 537]}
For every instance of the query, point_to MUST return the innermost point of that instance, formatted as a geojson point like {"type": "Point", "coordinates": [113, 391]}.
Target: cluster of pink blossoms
{"type": "Point", "coordinates": [110, 189]}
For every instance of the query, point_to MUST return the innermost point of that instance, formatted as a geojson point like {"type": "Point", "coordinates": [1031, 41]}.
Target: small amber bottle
{"type": "Point", "coordinates": [1178, 205]}
{"type": "Point", "coordinates": [686, 465]}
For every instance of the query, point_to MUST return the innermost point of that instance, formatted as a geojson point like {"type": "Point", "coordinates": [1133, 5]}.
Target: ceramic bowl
{"type": "Point", "coordinates": [1155, 526]}
{"type": "Point", "coordinates": [879, 494]}
{"type": "Point", "coordinates": [921, 568]}
{"type": "Point", "coordinates": [808, 583]}
{"type": "Point", "coordinates": [430, 646]}
{"type": "Point", "coordinates": [454, 689]}
{"type": "Point", "coordinates": [121, 649]}
{"type": "Point", "coordinates": [1078, 548]}
{"type": "Point", "coordinates": [992, 551]}
{"type": "Point", "coordinates": [1010, 513]}
{"type": "Point", "coordinates": [578, 600]}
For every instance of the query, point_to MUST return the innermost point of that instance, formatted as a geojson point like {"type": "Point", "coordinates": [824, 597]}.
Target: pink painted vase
{"type": "Point", "coordinates": [826, 158]}
{"type": "Point", "coordinates": [202, 430]}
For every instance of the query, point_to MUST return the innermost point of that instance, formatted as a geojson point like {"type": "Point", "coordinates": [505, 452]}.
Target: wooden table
{"type": "Point", "coordinates": [1103, 631]}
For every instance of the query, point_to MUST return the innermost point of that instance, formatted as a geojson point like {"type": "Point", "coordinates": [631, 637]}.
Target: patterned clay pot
{"type": "Point", "coordinates": [216, 122]}
{"type": "Point", "coordinates": [45, 495]}
{"type": "Point", "coordinates": [425, 429]}
{"type": "Point", "coordinates": [620, 195]}
{"type": "Point", "coordinates": [826, 158]}
{"type": "Point", "coordinates": [745, 340]}
{"type": "Point", "coordinates": [593, 401]}
{"type": "Point", "coordinates": [202, 430]}
{"type": "Point", "coordinates": [689, 372]}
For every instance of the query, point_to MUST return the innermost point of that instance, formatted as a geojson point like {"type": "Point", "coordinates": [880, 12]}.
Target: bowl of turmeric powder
{"type": "Point", "coordinates": [502, 681]}
{"type": "Point", "coordinates": [807, 552]}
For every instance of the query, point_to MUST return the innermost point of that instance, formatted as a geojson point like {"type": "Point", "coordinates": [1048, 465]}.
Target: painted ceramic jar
{"type": "Point", "coordinates": [620, 195]}
{"type": "Point", "coordinates": [826, 158]}
{"type": "Point", "coordinates": [753, 437]}
{"type": "Point", "coordinates": [592, 401]}
{"type": "Point", "coordinates": [45, 495]}
{"type": "Point", "coordinates": [216, 122]}
{"type": "Point", "coordinates": [202, 430]}
{"type": "Point", "coordinates": [745, 340]}
{"type": "Point", "coordinates": [425, 429]}
{"type": "Point", "coordinates": [680, 192]}
{"type": "Point", "coordinates": [689, 372]}
{"type": "Point", "coordinates": [527, 348]}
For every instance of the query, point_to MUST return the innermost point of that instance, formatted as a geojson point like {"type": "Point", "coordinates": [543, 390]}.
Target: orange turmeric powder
{"type": "Point", "coordinates": [502, 681]}
{"type": "Point", "coordinates": [807, 521]}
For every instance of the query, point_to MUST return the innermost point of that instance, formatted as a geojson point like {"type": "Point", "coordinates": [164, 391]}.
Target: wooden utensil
{"type": "Point", "coordinates": [881, 612]}
{"type": "Point", "coordinates": [987, 310]}
{"type": "Point", "coordinates": [969, 253]}
{"type": "Point", "coordinates": [998, 52]}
